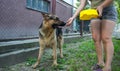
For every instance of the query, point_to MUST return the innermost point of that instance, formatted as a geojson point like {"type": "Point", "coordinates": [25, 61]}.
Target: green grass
{"type": "Point", "coordinates": [82, 57]}
{"type": "Point", "coordinates": [116, 59]}
{"type": "Point", "coordinates": [79, 56]}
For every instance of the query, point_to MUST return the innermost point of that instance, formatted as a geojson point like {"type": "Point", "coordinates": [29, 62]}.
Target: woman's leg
{"type": "Point", "coordinates": [106, 33]}
{"type": "Point", "coordinates": [96, 35]}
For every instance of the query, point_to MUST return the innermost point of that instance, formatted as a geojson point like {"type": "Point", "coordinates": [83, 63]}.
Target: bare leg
{"type": "Point", "coordinates": [96, 35]}
{"type": "Point", "coordinates": [107, 28]}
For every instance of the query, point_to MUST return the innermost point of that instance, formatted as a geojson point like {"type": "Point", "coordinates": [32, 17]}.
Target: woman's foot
{"type": "Point", "coordinates": [107, 69]}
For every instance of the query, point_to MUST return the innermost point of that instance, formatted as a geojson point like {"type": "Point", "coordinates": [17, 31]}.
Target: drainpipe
{"type": "Point", "coordinates": [53, 6]}
{"type": "Point", "coordinates": [81, 28]}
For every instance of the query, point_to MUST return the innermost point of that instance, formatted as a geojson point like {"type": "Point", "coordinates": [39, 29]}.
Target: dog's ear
{"type": "Point", "coordinates": [45, 15]}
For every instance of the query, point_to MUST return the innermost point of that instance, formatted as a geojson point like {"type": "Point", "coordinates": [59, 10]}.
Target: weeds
{"type": "Point", "coordinates": [80, 56]}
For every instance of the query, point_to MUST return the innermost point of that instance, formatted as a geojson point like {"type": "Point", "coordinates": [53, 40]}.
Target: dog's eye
{"type": "Point", "coordinates": [56, 18]}
{"type": "Point", "coordinates": [51, 18]}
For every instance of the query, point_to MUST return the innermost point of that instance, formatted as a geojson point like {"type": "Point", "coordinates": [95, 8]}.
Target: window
{"type": "Point", "coordinates": [69, 1]}
{"type": "Point", "coordinates": [39, 5]}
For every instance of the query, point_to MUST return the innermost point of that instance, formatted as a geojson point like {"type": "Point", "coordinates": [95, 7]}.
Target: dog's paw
{"type": "Point", "coordinates": [34, 66]}
{"type": "Point", "coordinates": [54, 64]}
{"type": "Point", "coordinates": [61, 56]}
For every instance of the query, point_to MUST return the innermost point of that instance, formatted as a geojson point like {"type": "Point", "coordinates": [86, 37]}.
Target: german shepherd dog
{"type": "Point", "coordinates": [50, 35]}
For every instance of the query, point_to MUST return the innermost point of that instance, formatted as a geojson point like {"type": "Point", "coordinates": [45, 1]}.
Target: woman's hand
{"type": "Point", "coordinates": [69, 21]}
{"type": "Point", "coordinates": [103, 5]}
{"type": "Point", "coordinates": [100, 9]}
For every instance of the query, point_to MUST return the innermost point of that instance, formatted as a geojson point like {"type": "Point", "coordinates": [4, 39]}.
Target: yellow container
{"type": "Point", "coordinates": [88, 14]}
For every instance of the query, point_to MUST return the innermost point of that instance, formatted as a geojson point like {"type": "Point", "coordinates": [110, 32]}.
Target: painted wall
{"type": "Point", "coordinates": [18, 22]}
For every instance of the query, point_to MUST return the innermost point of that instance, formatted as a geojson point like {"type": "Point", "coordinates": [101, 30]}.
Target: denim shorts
{"type": "Point", "coordinates": [109, 13]}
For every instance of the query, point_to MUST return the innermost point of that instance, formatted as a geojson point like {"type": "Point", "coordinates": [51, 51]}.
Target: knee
{"type": "Point", "coordinates": [96, 39]}
{"type": "Point", "coordinates": [106, 39]}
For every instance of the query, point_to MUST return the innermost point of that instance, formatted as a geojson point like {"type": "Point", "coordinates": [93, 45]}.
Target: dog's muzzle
{"type": "Point", "coordinates": [62, 24]}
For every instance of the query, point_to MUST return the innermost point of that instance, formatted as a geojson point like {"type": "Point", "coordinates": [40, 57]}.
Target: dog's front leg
{"type": "Point", "coordinates": [54, 55]}
{"type": "Point", "coordinates": [41, 50]}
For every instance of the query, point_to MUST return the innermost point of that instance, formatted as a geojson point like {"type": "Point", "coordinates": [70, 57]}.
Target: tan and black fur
{"type": "Point", "coordinates": [50, 35]}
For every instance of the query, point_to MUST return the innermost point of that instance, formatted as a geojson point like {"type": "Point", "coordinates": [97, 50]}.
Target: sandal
{"type": "Point", "coordinates": [98, 70]}
{"type": "Point", "coordinates": [97, 67]}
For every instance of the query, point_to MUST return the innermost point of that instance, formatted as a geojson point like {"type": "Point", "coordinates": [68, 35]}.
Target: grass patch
{"type": "Point", "coordinates": [79, 56]}
{"type": "Point", "coordinates": [82, 57]}
{"type": "Point", "coordinates": [116, 58]}
{"type": "Point", "coordinates": [85, 57]}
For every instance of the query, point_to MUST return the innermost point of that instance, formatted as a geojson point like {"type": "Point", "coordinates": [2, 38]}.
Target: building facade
{"type": "Point", "coordinates": [20, 19]}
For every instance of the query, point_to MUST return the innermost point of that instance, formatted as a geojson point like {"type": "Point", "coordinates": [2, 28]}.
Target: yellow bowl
{"type": "Point", "coordinates": [88, 14]}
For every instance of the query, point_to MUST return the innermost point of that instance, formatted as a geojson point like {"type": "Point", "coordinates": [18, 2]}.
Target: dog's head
{"type": "Point", "coordinates": [52, 20]}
